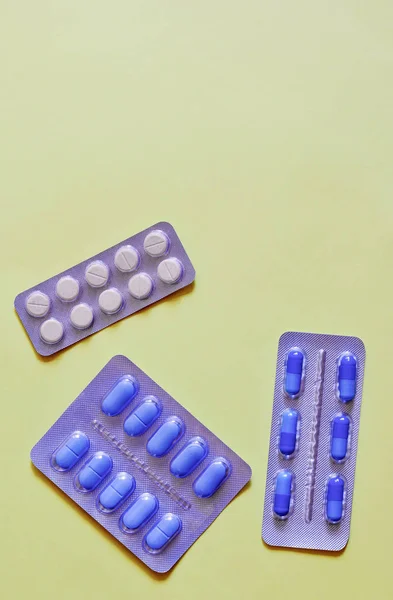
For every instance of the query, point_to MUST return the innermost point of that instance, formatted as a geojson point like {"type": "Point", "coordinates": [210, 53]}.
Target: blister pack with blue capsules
{"type": "Point", "coordinates": [313, 441]}
{"type": "Point", "coordinates": [140, 464]}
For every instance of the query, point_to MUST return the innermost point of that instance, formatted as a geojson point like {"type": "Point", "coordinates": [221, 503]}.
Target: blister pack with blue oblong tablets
{"type": "Point", "coordinates": [140, 464]}
{"type": "Point", "coordinates": [104, 289]}
{"type": "Point", "coordinates": [313, 441]}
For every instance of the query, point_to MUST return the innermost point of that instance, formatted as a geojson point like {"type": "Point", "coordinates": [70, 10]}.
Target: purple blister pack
{"type": "Point", "coordinates": [313, 441]}
{"type": "Point", "coordinates": [140, 464]}
{"type": "Point", "coordinates": [104, 289]}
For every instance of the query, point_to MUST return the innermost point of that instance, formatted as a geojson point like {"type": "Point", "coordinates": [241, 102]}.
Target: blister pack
{"type": "Point", "coordinates": [104, 289]}
{"type": "Point", "coordinates": [313, 441]}
{"type": "Point", "coordinates": [140, 464]}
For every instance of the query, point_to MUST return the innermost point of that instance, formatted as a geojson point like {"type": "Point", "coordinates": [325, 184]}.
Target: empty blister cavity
{"type": "Point", "coordinates": [339, 439]}
{"type": "Point", "coordinates": [161, 534]}
{"type": "Point", "coordinates": [67, 288]}
{"type": "Point", "coordinates": [189, 457]}
{"type": "Point", "coordinates": [116, 492]}
{"type": "Point", "coordinates": [166, 436]}
{"type": "Point", "coordinates": [70, 452]}
{"type": "Point", "coordinates": [97, 274]}
{"type": "Point", "coordinates": [142, 417]}
{"type": "Point", "coordinates": [289, 432]}
{"type": "Point", "coordinates": [139, 513]}
{"type": "Point", "coordinates": [120, 395]}
{"type": "Point", "coordinates": [283, 494]}
{"type": "Point", "coordinates": [140, 286]}
{"type": "Point", "coordinates": [37, 304]}
{"type": "Point", "coordinates": [346, 377]}
{"type": "Point", "coordinates": [156, 243]}
{"type": "Point", "coordinates": [335, 498]}
{"type": "Point", "coordinates": [127, 259]}
{"type": "Point", "coordinates": [110, 301]}
{"type": "Point", "coordinates": [93, 472]}
{"type": "Point", "coordinates": [212, 478]}
{"type": "Point", "coordinates": [294, 372]}
{"type": "Point", "coordinates": [81, 316]}
{"type": "Point", "coordinates": [51, 331]}
{"type": "Point", "coordinates": [170, 270]}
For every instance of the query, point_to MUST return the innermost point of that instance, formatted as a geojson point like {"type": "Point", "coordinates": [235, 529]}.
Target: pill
{"type": "Point", "coordinates": [189, 457]}
{"type": "Point", "coordinates": [140, 286]}
{"type": "Point", "coordinates": [293, 372]}
{"type": "Point", "coordinates": [347, 377]}
{"type": "Point", "coordinates": [127, 259]}
{"type": "Point", "coordinates": [335, 499]}
{"type": "Point", "coordinates": [170, 270]}
{"type": "Point", "coordinates": [97, 274]}
{"type": "Point", "coordinates": [110, 301]}
{"type": "Point", "coordinates": [51, 331]}
{"type": "Point", "coordinates": [282, 493]}
{"type": "Point", "coordinates": [156, 243]}
{"type": "Point", "coordinates": [159, 536]}
{"type": "Point", "coordinates": [288, 431]}
{"type": "Point", "coordinates": [339, 439]}
{"type": "Point", "coordinates": [81, 316]}
{"type": "Point", "coordinates": [67, 288]}
{"type": "Point", "coordinates": [212, 478]}
{"type": "Point", "coordinates": [139, 513]}
{"type": "Point", "coordinates": [142, 417]}
{"type": "Point", "coordinates": [94, 471]}
{"type": "Point", "coordinates": [116, 492]}
{"type": "Point", "coordinates": [165, 437]}
{"type": "Point", "coordinates": [121, 394]}
{"type": "Point", "coordinates": [71, 451]}
{"type": "Point", "coordinates": [37, 304]}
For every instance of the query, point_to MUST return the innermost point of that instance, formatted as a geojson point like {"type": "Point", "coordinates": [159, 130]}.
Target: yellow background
{"type": "Point", "coordinates": [263, 131]}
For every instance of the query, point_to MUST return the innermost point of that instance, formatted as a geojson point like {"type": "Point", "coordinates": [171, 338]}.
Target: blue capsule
{"type": "Point", "coordinates": [94, 471]}
{"type": "Point", "coordinates": [347, 367]}
{"type": "Point", "coordinates": [293, 372]}
{"type": "Point", "coordinates": [335, 498]}
{"type": "Point", "coordinates": [116, 400]}
{"type": "Point", "coordinates": [189, 457]}
{"type": "Point", "coordinates": [166, 436]}
{"type": "Point", "coordinates": [339, 438]}
{"type": "Point", "coordinates": [116, 492]}
{"type": "Point", "coordinates": [288, 432]}
{"type": "Point", "coordinates": [159, 536]}
{"type": "Point", "coordinates": [71, 451]}
{"type": "Point", "coordinates": [212, 478]}
{"type": "Point", "coordinates": [142, 417]}
{"type": "Point", "coordinates": [282, 493]}
{"type": "Point", "coordinates": [139, 513]}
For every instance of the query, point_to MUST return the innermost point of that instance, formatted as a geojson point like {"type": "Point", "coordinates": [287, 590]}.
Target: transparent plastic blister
{"type": "Point", "coordinates": [313, 441]}
{"type": "Point", "coordinates": [104, 289]}
{"type": "Point", "coordinates": [140, 464]}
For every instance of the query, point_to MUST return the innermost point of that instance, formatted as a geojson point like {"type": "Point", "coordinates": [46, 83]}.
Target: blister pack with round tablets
{"type": "Point", "coordinates": [104, 289]}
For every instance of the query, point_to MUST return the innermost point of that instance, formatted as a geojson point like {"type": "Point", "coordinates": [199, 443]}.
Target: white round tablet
{"type": "Point", "coordinates": [51, 331]}
{"type": "Point", "coordinates": [81, 316]}
{"type": "Point", "coordinates": [156, 243]}
{"type": "Point", "coordinates": [67, 288]}
{"type": "Point", "coordinates": [97, 273]}
{"type": "Point", "coordinates": [170, 270]}
{"type": "Point", "coordinates": [127, 259]}
{"type": "Point", "coordinates": [140, 286]}
{"type": "Point", "coordinates": [110, 301]}
{"type": "Point", "coordinates": [37, 304]}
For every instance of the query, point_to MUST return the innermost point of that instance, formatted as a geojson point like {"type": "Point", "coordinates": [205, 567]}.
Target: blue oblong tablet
{"type": "Point", "coordinates": [159, 536]}
{"type": "Point", "coordinates": [282, 493]}
{"type": "Point", "coordinates": [94, 471]}
{"type": "Point", "coordinates": [288, 432]}
{"type": "Point", "coordinates": [71, 451]}
{"type": "Point", "coordinates": [347, 368]}
{"type": "Point", "coordinates": [293, 371]}
{"type": "Point", "coordinates": [166, 436]}
{"type": "Point", "coordinates": [339, 438]}
{"type": "Point", "coordinates": [189, 457]}
{"type": "Point", "coordinates": [212, 478]}
{"type": "Point", "coordinates": [335, 499]}
{"type": "Point", "coordinates": [121, 394]}
{"type": "Point", "coordinates": [139, 513]}
{"type": "Point", "coordinates": [116, 492]}
{"type": "Point", "coordinates": [143, 416]}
